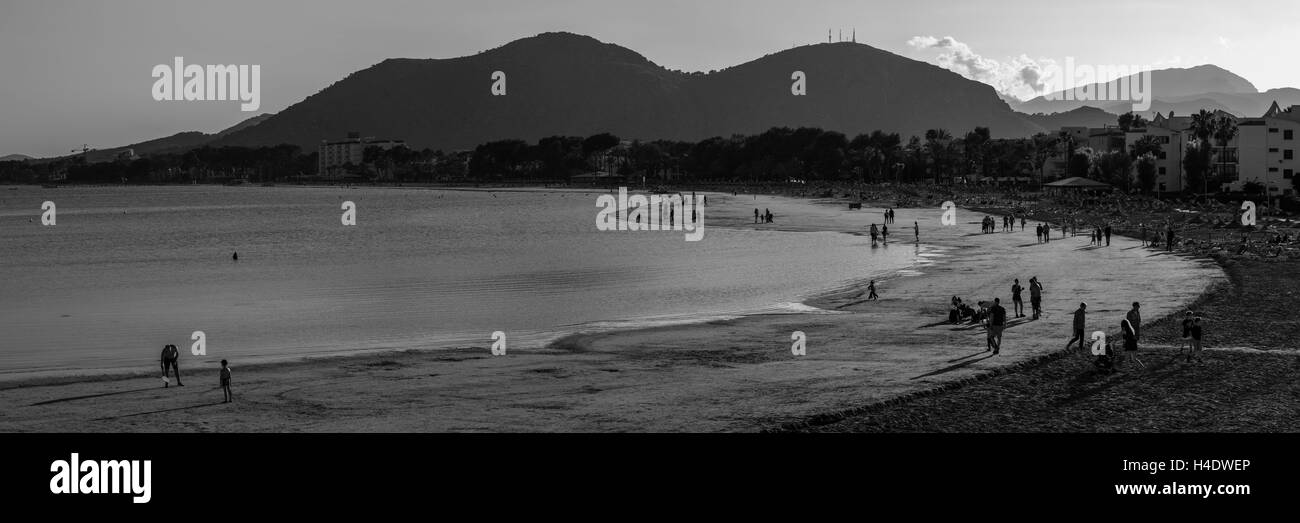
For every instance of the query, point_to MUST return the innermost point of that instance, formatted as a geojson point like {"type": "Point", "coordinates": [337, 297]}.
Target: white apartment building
{"type": "Point", "coordinates": [333, 156]}
{"type": "Point", "coordinates": [1266, 149]}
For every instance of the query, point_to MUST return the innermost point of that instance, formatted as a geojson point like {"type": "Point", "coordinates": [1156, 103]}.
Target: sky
{"type": "Point", "coordinates": [78, 72]}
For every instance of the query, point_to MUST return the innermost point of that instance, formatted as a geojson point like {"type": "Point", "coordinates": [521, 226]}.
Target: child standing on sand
{"type": "Point", "coordinates": [225, 382]}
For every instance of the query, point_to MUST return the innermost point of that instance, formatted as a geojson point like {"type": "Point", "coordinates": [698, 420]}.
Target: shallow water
{"type": "Point", "coordinates": [127, 270]}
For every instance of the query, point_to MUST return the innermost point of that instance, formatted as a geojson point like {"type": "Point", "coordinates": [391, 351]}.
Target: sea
{"type": "Point", "coordinates": [124, 271]}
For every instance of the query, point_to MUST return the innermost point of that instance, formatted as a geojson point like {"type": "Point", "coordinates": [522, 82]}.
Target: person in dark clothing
{"type": "Point", "coordinates": [1036, 296]}
{"type": "Point", "coordinates": [997, 321]}
{"type": "Point", "coordinates": [1079, 317]}
{"type": "Point", "coordinates": [1129, 331]}
{"type": "Point", "coordinates": [225, 382]}
{"type": "Point", "coordinates": [1196, 340]}
{"type": "Point", "coordinates": [171, 360]}
{"type": "Point", "coordinates": [755, 215]}
{"type": "Point", "coordinates": [1107, 230]}
{"type": "Point", "coordinates": [1017, 303]}
{"type": "Point", "coordinates": [1169, 238]}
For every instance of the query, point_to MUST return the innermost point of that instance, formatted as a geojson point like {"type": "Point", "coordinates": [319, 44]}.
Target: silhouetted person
{"type": "Point", "coordinates": [1079, 319]}
{"type": "Point", "coordinates": [225, 382]}
{"type": "Point", "coordinates": [1017, 303]}
{"type": "Point", "coordinates": [916, 228]}
{"type": "Point", "coordinates": [997, 321]}
{"type": "Point", "coordinates": [1107, 231]}
{"type": "Point", "coordinates": [235, 256]}
{"type": "Point", "coordinates": [1134, 317]}
{"type": "Point", "coordinates": [1169, 238]}
{"type": "Point", "coordinates": [872, 288]}
{"type": "Point", "coordinates": [755, 215]}
{"type": "Point", "coordinates": [171, 360]}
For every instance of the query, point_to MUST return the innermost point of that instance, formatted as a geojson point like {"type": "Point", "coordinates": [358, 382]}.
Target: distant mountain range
{"type": "Point", "coordinates": [15, 158]}
{"type": "Point", "coordinates": [1183, 91]}
{"type": "Point", "coordinates": [568, 84]}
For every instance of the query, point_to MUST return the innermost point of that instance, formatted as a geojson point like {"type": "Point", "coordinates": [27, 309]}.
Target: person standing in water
{"type": "Point", "coordinates": [916, 229]}
{"type": "Point", "coordinates": [884, 233]}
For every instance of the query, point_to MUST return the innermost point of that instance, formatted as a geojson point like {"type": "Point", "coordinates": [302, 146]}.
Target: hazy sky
{"type": "Point", "coordinates": [76, 72]}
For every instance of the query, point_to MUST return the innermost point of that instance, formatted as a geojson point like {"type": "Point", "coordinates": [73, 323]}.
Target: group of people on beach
{"type": "Point", "coordinates": [882, 233]}
{"type": "Point", "coordinates": [171, 363]}
{"type": "Point", "coordinates": [765, 217]}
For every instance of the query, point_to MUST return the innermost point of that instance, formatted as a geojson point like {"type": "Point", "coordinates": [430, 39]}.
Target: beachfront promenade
{"type": "Point", "coordinates": [735, 375]}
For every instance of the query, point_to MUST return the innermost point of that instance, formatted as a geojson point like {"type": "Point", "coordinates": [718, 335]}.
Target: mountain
{"type": "Point", "coordinates": [1081, 117]}
{"type": "Point", "coordinates": [15, 158]}
{"type": "Point", "coordinates": [1179, 90]}
{"type": "Point", "coordinates": [567, 84]}
{"type": "Point", "coordinates": [178, 142]}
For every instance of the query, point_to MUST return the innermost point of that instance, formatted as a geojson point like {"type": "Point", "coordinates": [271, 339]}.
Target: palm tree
{"type": "Point", "coordinates": [1225, 130]}
{"type": "Point", "coordinates": [936, 140]}
{"type": "Point", "coordinates": [1203, 127]}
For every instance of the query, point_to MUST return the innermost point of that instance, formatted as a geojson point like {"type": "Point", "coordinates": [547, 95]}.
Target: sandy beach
{"type": "Point", "coordinates": [735, 375]}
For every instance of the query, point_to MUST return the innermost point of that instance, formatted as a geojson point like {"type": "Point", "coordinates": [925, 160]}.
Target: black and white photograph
{"type": "Point", "coordinates": [562, 222]}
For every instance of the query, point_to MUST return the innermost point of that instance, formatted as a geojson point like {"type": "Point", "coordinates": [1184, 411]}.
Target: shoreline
{"type": "Point", "coordinates": [744, 378]}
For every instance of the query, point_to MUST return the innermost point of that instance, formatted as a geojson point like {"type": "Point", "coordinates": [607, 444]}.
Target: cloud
{"type": "Point", "coordinates": [1224, 42]}
{"type": "Point", "coordinates": [1021, 76]}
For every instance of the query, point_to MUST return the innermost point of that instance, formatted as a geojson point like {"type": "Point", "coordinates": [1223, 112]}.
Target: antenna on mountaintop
{"type": "Point", "coordinates": [855, 35]}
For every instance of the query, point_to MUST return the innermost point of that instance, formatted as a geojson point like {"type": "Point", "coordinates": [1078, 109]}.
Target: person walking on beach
{"type": "Point", "coordinates": [1196, 334]}
{"type": "Point", "coordinates": [1143, 228]}
{"type": "Point", "coordinates": [1017, 303]}
{"type": "Point", "coordinates": [1107, 230]}
{"type": "Point", "coordinates": [874, 233]}
{"type": "Point", "coordinates": [884, 233]}
{"type": "Point", "coordinates": [1022, 224]}
{"type": "Point", "coordinates": [756, 215]}
{"type": "Point", "coordinates": [1079, 315]}
{"type": "Point", "coordinates": [1169, 238]}
{"type": "Point", "coordinates": [1129, 332]}
{"type": "Point", "coordinates": [1187, 335]}
{"type": "Point", "coordinates": [225, 382]}
{"type": "Point", "coordinates": [171, 360]}
{"type": "Point", "coordinates": [871, 288]}
{"type": "Point", "coordinates": [1135, 317]}
{"type": "Point", "coordinates": [1036, 296]}
{"type": "Point", "coordinates": [997, 321]}
{"type": "Point", "coordinates": [916, 229]}
{"type": "Point", "coordinates": [1038, 232]}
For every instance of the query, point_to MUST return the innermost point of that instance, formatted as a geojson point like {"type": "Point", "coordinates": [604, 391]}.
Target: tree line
{"type": "Point", "coordinates": [778, 155]}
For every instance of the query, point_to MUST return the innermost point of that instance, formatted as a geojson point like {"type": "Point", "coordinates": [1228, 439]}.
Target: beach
{"type": "Point", "coordinates": [730, 375]}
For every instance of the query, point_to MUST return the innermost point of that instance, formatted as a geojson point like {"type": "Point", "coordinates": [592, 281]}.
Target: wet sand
{"type": "Point", "coordinates": [736, 375]}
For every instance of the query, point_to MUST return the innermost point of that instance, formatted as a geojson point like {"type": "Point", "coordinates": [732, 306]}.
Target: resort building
{"type": "Point", "coordinates": [1263, 152]}
{"type": "Point", "coordinates": [334, 157]}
